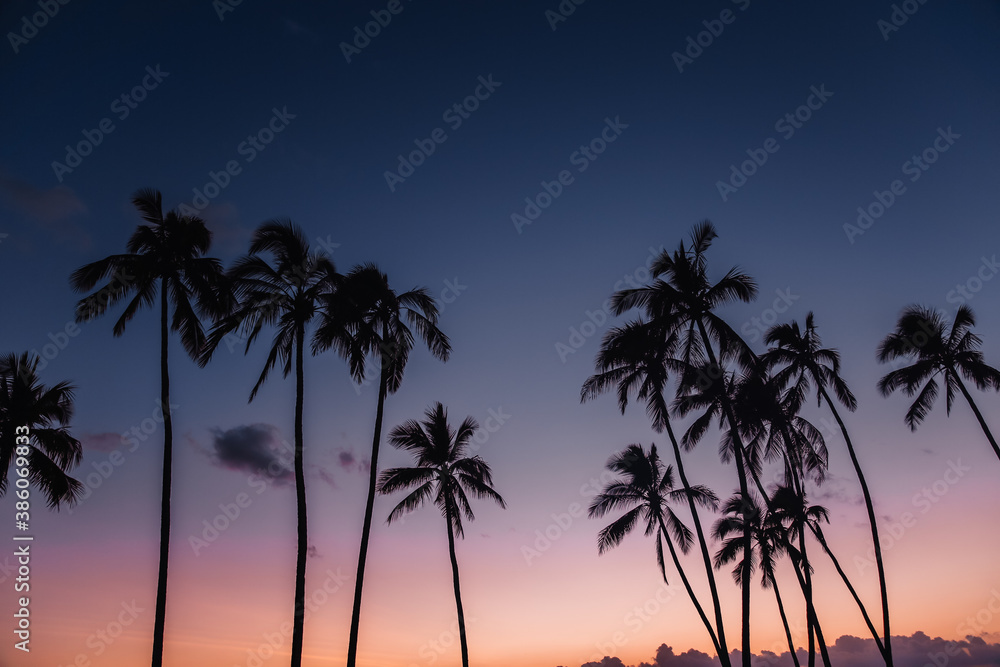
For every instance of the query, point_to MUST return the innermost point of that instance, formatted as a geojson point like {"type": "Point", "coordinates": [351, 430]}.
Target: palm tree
{"type": "Point", "coordinates": [645, 490]}
{"type": "Point", "coordinates": [920, 336]}
{"type": "Point", "coordinates": [286, 294]}
{"type": "Point", "coordinates": [376, 318]}
{"type": "Point", "coordinates": [636, 358]}
{"type": "Point", "coordinates": [770, 540]}
{"type": "Point", "coordinates": [166, 256]}
{"type": "Point", "coordinates": [681, 298]}
{"type": "Point", "coordinates": [804, 362]}
{"type": "Point", "coordinates": [34, 424]}
{"type": "Point", "coordinates": [445, 473]}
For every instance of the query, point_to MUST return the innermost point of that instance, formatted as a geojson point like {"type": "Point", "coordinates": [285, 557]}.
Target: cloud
{"type": "Point", "coordinates": [256, 448]}
{"type": "Point", "coordinates": [848, 651]}
{"type": "Point", "coordinates": [840, 490]}
{"type": "Point", "coordinates": [101, 442]}
{"type": "Point", "coordinates": [351, 463]}
{"type": "Point", "coordinates": [53, 209]}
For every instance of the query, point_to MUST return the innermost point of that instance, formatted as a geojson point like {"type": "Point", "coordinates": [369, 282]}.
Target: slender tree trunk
{"type": "Point", "coordinates": [745, 493]}
{"type": "Point", "coordinates": [298, 627]}
{"type": "Point", "coordinates": [687, 587]}
{"type": "Point", "coordinates": [979, 415]}
{"type": "Point", "coordinates": [703, 545]}
{"type": "Point", "coordinates": [886, 632]}
{"type": "Point", "coordinates": [159, 621]}
{"type": "Point", "coordinates": [784, 622]}
{"type": "Point", "coordinates": [458, 595]}
{"type": "Point", "coordinates": [352, 647]}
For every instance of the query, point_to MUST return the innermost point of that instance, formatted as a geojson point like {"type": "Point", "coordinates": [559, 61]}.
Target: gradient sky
{"type": "Point", "coordinates": [521, 293]}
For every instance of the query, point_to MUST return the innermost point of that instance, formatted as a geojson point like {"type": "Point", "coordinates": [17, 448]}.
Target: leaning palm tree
{"type": "Point", "coordinates": [444, 472]}
{"type": "Point", "coordinates": [802, 363]}
{"type": "Point", "coordinates": [770, 542]}
{"type": "Point", "coordinates": [920, 336]}
{"type": "Point", "coordinates": [285, 294]}
{"type": "Point", "coordinates": [644, 489]}
{"type": "Point", "coordinates": [34, 424]}
{"type": "Point", "coordinates": [165, 258]}
{"type": "Point", "coordinates": [368, 317]}
{"type": "Point", "coordinates": [681, 298]}
{"type": "Point", "coordinates": [637, 358]}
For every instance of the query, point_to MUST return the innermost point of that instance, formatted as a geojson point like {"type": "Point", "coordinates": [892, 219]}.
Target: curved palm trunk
{"type": "Point", "coordinates": [784, 622]}
{"type": "Point", "coordinates": [703, 545]}
{"type": "Point", "coordinates": [886, 633]}
{"type": "Point", "coordinates": [300, 505]}
{"type": "Point", "coordinates": [458, 595]}
{"type": "Point", "coordinates": [352, 648]}
{"type": "Point", "coordinates": [687, 587]}
{"type": "Point", "coordinates": [168, 436]}
{"type": "Point", "coordinates": [745, 492]}
{"type": "Point", "coordinates": [979, 415]}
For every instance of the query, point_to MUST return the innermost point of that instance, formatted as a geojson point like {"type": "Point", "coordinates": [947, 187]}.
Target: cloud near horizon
{"type": "Point", "coordinates": [917, 650]}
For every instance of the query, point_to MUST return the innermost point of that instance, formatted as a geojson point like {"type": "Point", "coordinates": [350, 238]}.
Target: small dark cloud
{"type": "Point", "coordinates": [254, 448]}
{"type": "Point", "coordinates": [53, 209]}
{"type": "Point", "coordinates": [100, 442]}
{"type": "Point", "coordinates": [839, 490]}
{"type": "Point", "coordinates": [349, 462]}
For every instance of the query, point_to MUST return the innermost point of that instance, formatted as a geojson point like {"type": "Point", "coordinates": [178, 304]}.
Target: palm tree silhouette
{"type": "Point", "coordinates": [770, 539]}
{"type": "Point", "coordinates": [637, 358]}
{"type": "Point", "coordinates": [682, 298]}
{"type": "Point", "coordinates": [445, 473]}
{"type": "Point", "coordinates": [920, 337]}
{"type": "Point", "coordinates": [377, 317]}
{"type": "Point", "coordinates": [287, 295]}
{"type": "Point", "coordinates": [166, 256]}
{"type": "Point", "coordinates": [34, 423]}
{"type": "Point", "coordinates": [805, 363]}
{"type": "Point", "coordinates": [645, 489]}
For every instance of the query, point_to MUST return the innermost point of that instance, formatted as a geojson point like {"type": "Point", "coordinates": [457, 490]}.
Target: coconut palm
{"type": "Point", "coordinates": [165, 257]}
{"type": "Point", "coordinates": [681, 298]}
{"type": "Point", "coordinates": [446, 473]}
{"type": "Point", "coordinates": [644, 490]}
{"type": "Point", "coordinates": [803, 363]}
{"type": "Point", "coordinates": [920, 337]}
{"type": "Point", "coordinates": [637, 358]}
{"type": "Point", "coordinates": [285, 293]}
{"type": "Point", "coordinates": [379, 321]}
{"type": "Point", "coordinates": [34, 424]}
{"type": "Point", "coordinates": [770, 542]}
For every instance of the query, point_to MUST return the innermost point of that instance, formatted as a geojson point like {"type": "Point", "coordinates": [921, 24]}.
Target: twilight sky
{"type": "Point", "coordinates": [631, 132]}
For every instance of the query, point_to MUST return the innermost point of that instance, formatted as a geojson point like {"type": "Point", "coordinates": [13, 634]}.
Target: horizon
{"type": "Point", "coordinates": [522, 164]}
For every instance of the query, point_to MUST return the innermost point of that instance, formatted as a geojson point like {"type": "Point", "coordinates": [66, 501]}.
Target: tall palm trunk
{"type": "Point", "coordinates": [300, 506]}
{"type": "Point", "coordinates": [168, 435]}
{"type": "Point", "coordinates": [745, 493]}
{"type": "Point", "coordinates": [886, 633]}
{"type": "Point", "coordinates": [458, 594]}
{"type": "Point", "coordinates": [979, 415]}
{"type": "Point", "coordinates": [702, 543]}
{"type": "Point", "coordinates": [687, 587]}
{"type": "Point", "coordinates": [352, 648]}
{"type": "Point", "coordinates": [784, 622]}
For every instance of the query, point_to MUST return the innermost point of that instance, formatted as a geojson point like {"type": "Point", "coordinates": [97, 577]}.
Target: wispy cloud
{"type": "Point", "coordinates": [54, 209]}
